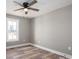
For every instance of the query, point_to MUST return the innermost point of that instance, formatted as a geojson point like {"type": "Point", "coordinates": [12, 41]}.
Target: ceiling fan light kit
{"type": "Point", "coordinates": [26, 6]}
{"type": "Point", "coordinates": [26, 12]}
{"type": "Point", "coordinates": [25, 9]}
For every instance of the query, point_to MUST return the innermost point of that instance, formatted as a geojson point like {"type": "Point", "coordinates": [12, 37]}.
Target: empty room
{"type": "Point", "coordinates": [38, 29]}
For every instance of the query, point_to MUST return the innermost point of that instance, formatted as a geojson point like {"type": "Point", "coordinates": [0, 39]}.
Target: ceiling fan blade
{"type": "Point", "coordinates": [19, 9]}
{"type": "Point", "coordinates": [18, 3]}
{"type": "Point", "coordinates": [32, 3]}
{"type": "Point", "coordinates": [33, 9]}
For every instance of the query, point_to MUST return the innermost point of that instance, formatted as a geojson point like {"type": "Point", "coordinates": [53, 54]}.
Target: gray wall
{"type": "Point", "coordinates": [24, 33]}
{"type": "Point", "coordinates": [54, 30]}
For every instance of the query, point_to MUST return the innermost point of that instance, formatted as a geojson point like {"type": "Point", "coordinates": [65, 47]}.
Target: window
{"type": "Point", "coordinates": [12, 30]}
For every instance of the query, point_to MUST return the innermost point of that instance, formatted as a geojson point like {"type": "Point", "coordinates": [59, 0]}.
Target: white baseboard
{"type": "Point", "coordinates": [53, 51]}
{"type": "Point", "coordinates": [18, 45]}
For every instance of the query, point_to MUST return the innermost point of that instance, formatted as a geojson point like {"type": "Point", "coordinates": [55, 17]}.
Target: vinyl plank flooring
{"type": "Point", "coordinates": [30, 52]}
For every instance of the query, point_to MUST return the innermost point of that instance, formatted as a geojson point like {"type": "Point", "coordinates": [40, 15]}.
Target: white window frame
{"type": "Point", "coordinates": [11, 19]}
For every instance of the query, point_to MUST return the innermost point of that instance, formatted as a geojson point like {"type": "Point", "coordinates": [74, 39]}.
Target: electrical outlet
{"type": "Point", "coordinates": [69, 48]}
{"type": "Point", "coordinates": [24, 40]}
{"type": "Point", "coordinates": [38, 41]}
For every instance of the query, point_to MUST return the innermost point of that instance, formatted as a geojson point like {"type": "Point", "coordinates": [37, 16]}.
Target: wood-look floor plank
{"type": "Point", "coordinates": [30, 52]}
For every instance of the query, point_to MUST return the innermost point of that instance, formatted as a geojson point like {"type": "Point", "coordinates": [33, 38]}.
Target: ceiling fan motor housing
{"type": "Point", "coordinates": [25, 4]}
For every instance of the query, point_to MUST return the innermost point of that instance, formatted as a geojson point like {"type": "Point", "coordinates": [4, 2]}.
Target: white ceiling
{"type": "Point", "coordinates": [45, 6]}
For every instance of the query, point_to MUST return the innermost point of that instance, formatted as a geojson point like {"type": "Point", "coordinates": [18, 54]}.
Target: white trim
{"type": "Point", "coordinates": [18, 45]}
{"type": "Point", "coordinates": [53, 51]}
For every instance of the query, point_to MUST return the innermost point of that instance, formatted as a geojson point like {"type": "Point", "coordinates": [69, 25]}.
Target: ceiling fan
{"type": "Point", "coordinates": [26, 6]}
